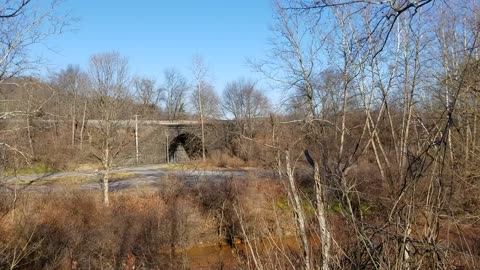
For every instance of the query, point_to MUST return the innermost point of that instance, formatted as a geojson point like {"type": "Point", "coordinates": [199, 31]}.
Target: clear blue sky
{"type": "Point", "coordinates": [158, 34]}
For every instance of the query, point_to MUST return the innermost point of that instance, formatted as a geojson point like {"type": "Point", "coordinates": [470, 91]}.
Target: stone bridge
{"type": "Point", "coordinates": [170, 141]}
{"type": "Point", "coordinates": [182, 137]}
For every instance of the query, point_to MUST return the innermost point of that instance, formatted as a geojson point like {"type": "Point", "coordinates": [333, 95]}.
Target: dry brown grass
{"type": "Point", "coordinates": [152, 229]}
{"type": "Point", "coordinates": [164, 228]}
{"type": "Point", "coordinates": [218, 159]}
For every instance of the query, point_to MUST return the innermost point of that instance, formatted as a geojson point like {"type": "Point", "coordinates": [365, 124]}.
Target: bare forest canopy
{"type": "Point", "coordinates": [376, 143]}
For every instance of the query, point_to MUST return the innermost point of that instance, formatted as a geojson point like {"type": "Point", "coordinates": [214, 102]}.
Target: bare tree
{"type": "Point", "coordinates": [175, 88]}
{"type": "Point", "coordinates": [293, 62]}
{"type": "Point", "coordinates": [374, 64]}
{"type": "Point", "coordinates": [200, 74]}
{"type": "Point", "coordinates": [243, 101]}
{"type": "Point", "coordinates": [110, 79]}
{"type": "Point", "coordinates": [210, 102]}
{"type": "Point", "coordinates": [384, 17]}
{"type": "Point", "coordinates": [247, 105]}
{"type": "Point", "coordinates": [22, 26]}
{"type": "Point", "coordinates": [73, 82]}
{"type": "Point", "coordinates": [147, 93]}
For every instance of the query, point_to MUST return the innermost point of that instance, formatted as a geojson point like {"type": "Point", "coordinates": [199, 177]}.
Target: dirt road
{"type": "Point", "coordinates": [126, 178]}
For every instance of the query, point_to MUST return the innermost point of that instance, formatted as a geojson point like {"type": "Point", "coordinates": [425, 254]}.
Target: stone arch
{"type": "Point", "coordinates": [184, 147]}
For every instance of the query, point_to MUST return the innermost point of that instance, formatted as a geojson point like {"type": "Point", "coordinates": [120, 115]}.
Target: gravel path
{"type": "Point", "coordinates": [142, 176]}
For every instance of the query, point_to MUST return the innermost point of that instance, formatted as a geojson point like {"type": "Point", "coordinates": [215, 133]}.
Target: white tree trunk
{"type": "Point", "coordinates": [106, 176]}
{"type": "Point", "coordinates": [202, 118]}
{"type": "Point", "coordinates": [298, 211]}
{"type": "Point", "coordinates": [321, 216]}
{"type": "Point", "coordinates": [83, 124]}
{"type": "Point", "coordinates": [74, 117]}
{"type": "Point", "coordinates": [137, 155]}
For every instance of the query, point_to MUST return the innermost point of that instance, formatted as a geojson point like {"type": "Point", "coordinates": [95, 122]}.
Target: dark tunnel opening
{"type": "Point", "coordinates": [190, 143]}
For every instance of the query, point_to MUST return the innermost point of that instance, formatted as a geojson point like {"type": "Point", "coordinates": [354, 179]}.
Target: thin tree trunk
{"type": "Point", "coordinates": [298, 211]}
{"type": "Point", "coordinates": [200, 107]}
{"type": "Point", "coordinates": [321, 216]}
{"type": "Point", "coordinates": [74, 117]}
{"type": "Point", "coordinates": [29, 130]}
{"type": "Point", "coordinates": [107, 166]}
{"type": "Point", "coordinates": [83, 124]}
{"type": "Point", "coordinates": [106, 176]}
{"type": "Point", "coordinates": [167, 154]}
{"type": "Point", "coordinates": [136, 140]}
{"type": "Point", "coordinates": [277, 153]}
{"type": "Point", "coordinates": [251, 249]}
{"type": "Point", "coordinates": [344, 120]}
